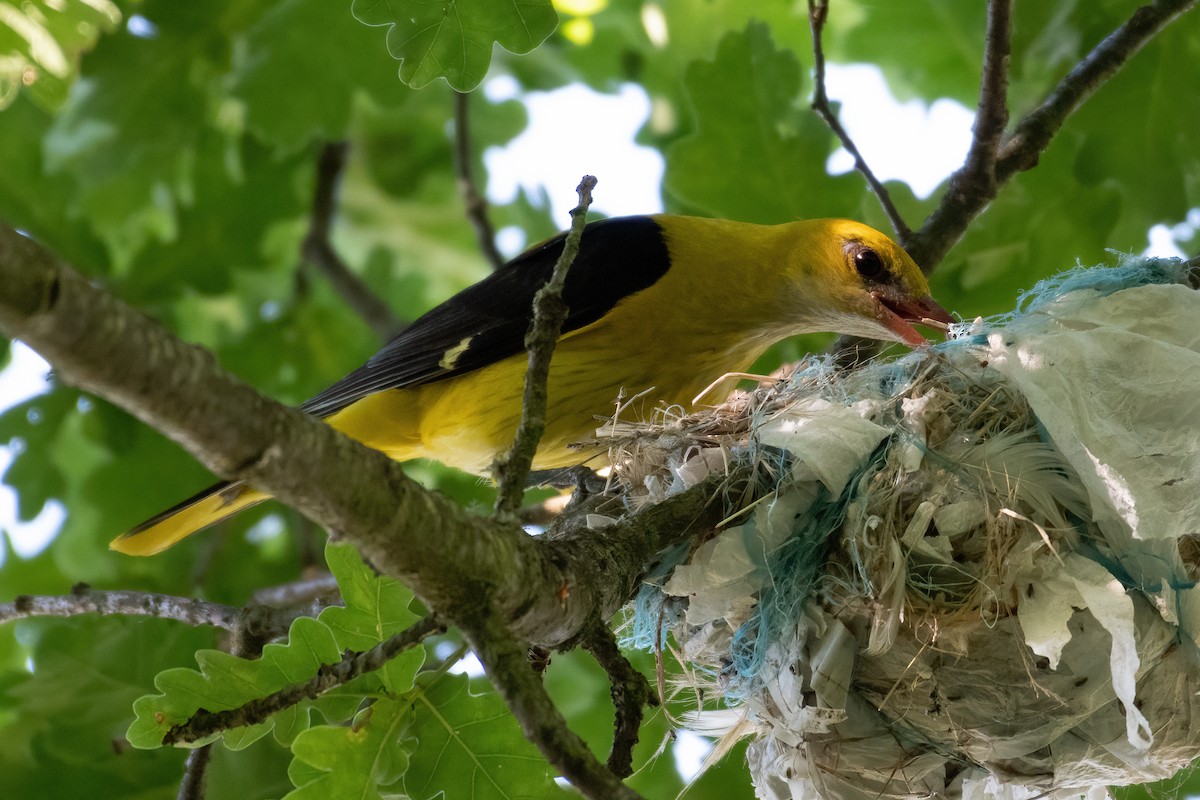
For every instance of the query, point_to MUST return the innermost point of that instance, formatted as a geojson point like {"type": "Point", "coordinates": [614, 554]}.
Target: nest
{"type": "Point", "coordinates": [966, 573]}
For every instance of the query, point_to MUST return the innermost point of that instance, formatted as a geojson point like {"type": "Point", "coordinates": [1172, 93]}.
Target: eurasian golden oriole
{"type": "Point", "coordinates": [659, 305]}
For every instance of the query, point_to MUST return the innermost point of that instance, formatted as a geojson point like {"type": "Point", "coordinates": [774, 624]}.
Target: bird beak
{"type": "Point", "coordinates": [897, 311]}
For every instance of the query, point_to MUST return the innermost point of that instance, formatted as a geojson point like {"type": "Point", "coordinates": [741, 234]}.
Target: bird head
{"type": "Point", "coordinates": [860, 282]}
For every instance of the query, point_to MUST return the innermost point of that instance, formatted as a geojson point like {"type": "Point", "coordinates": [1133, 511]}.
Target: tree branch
{"type": "Point", "coordinates": [506, 661]}
{"type": "Point", "coordinates": [1033, 133]}
{"type": "Point", "coordinates": [991, 113]}
{"type": "Point", "coordinates": [86, 600]}
{"type": "Point", "coordinates": [253, 624]}
{"type": "Point", "coordinates": [500, 586]}
{"type": "Point", "coordinates": [322, 589]}
{"type": "Point", "coordinates": [317, 248]}
{"type": "Point", "coordinates": [549, 314]}
{"type": "Point", "coordinates": [630, 695]}
{"type": "Point", "coordinates": [476, 204]}
{"type": "Point", "coordinates": [548, 590]}
{"type": "Point", "coordinates": [206, 723]}
{"type": "Point", "coordinates": [195, 774]}
{"type": "Point", "coordinates": [818, 10]}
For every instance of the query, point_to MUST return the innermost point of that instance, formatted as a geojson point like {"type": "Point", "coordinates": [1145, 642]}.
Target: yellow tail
{"type": "Point", "coordinates": [387, 421]}
{"type": "Point", "coordinates": [194, 514]}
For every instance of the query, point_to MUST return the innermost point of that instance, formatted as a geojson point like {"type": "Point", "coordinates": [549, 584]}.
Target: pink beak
{"type": "Point", "coordinates": [896, 312]}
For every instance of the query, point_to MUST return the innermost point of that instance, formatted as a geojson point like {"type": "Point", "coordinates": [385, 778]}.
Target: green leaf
{"type": "Point", "coordinates": [453, 39]}
{"type": "Point", "coordinates": [470, 746]}
{"type": "Point", "coordinates": [40, 574]}
{"type": "Point", "coordinates": [297, 87]}
{"type": "Point", "coordinates": [224, 682]}
{"type": "Point", "coordinates": [352, 761]}
{"type": "Point", "coordinates": [579, 688]}
{"type": "Point", "coordinates": [130, 165]}
{"type": "Point", "coordinates": [1185, 783]}
{"type": "Point", "coordinates": [376, 607]}
{"type": "Point", "coordinates": [35, 427]}
{"type": "Point", "coordinates": [61, 722]}
{"type": "Point", "coordinates": [41, 43]}
{"type": "Point", "coordinates": [1136, 127]}
{"type": "Point", "coordinates": [878, 33]}
{"type": "Point", "coordinates": [756, 155]}
{"type": "Point", "coordinates": [240, 193]}
{"type": "Point", "coordinates": [129, 129]}
{"type": "Point", "coordinates": [434, 250]}
{"type": "Point", "coordinates": [258, 772]}
{"type": "Point", "coordinates": [1043, 222]}
{"type": "Point", "coordinates": [35, 201]}
{"type": "Point", "coordinates": [419, 130]}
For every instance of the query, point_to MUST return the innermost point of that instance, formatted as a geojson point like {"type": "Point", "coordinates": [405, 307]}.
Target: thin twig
{"type": "Point", "coordinates": [206, 723]}
{"type": "Point", "coordinates": [247, 643]}
{"type": "Point", "coordinates": [975, 183]}
{"type": "Point", "coordinates": [549, 314]}
{"type": "Point", "coordinates": [86, 600]}
{"type": "Point", "coordinates": [507, 664]}
{"type": "Point", "coordinates": [476, 204]}
{"type": "Point", "coordinates": [630, 695]}
{"type": "Point", "coordinates": [195, 774]}
{"type": "Point", "coordinates": [323, 588]}
{"type": "Point", "coordinates": [818, 10]}
{"type": "Point", "coordinates": [991, 114]}
{"type": "Point", "coordinates": [257, 622]}
{"type": "Point", "coordinates": [1033, 133]}
{"type": "Point", "coordinates": [317, 248]}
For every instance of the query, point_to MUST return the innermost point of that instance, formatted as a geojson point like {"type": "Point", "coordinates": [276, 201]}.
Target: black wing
{"type": "Point", "coordinates": [486, 322]}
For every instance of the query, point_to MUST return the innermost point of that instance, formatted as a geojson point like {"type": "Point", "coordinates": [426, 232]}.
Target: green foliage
{"type": "Point", "coordinates": [868, 32]}
{"type": "Point", "coordinates": [289, 96]}
{"type": "Point", "coordinates": [1133, 129]}
{"type": "Point", "coordinates": [132, 168]}
{"type": "Point", "coordinates": [423, 733]}
{"type": "Point", "coordinates": [1186, 784]}
{"type": "Point", "coordinates": [225, 682]}
{"type": "Point", "coordinates": [375, 609]}
{"type": "Point", "coordinates": [40, 44]}
{"type": "Point", "coordinates": [575, 679]}
{"type": "Point", "coordinates": [453, 39]}
{"type": "Point", "coordinates": [174, 161]}
{"type": "Point", "coordinates": [471, 747]}
{"type": "Point", "coordinates": [356, 760]}
{"type": "Point", "coordinates": [750, 118]}
{"type": "Point", "coordinates": [66, 714]}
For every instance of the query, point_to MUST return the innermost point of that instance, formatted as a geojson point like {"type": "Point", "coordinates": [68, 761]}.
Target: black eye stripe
{"type": "Point", "coordinates": [869, 264]}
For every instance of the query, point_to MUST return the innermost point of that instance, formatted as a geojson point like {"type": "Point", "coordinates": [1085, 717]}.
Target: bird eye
{"type": "Point", "coordinates": [869, 264]}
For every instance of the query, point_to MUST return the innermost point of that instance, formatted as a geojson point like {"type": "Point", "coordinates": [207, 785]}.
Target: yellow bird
{"type": "Point", "coordinates": [658, 304]}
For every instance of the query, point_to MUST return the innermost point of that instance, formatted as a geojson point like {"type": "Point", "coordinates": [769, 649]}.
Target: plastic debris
{"type": "Point", "coordinates": [967, 573]}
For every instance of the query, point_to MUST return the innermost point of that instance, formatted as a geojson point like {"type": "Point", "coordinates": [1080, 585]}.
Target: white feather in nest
{"type": "Point", "coordinates": [973, 574]}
